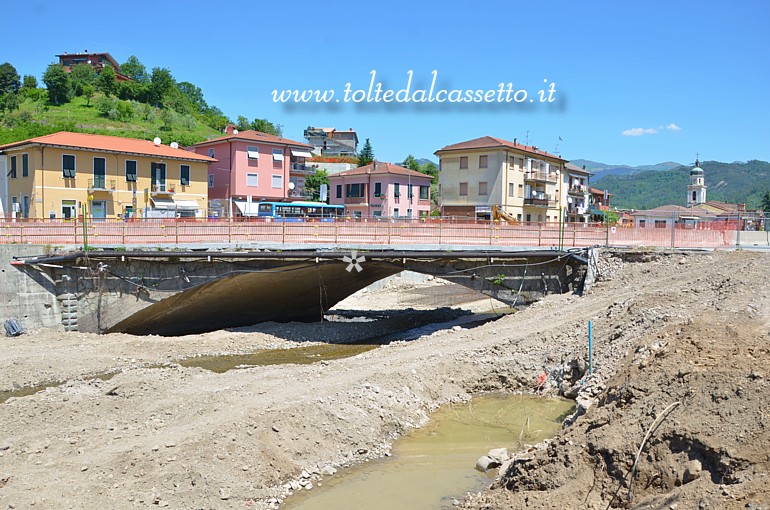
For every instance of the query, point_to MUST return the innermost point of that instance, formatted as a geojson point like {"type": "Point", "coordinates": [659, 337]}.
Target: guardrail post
{"type": "Point", "coordinates": [283, 231]}
{"type": "Point", "coordinates": [540, 234]}
{"type": "Point", "coordinates": [123, 232]}
{"type": "Point", "coordinates": [607, 233]}
{"type": "Point", "coordinates": [440, 228]}
{"type": "Point", "coordinates": [229, 229]}
{"type": "Point", "coordinates": [389, 227]}
{"type": "Point", "coordinates": [176, 231]}
{"type": "Point", "coordinates": [21, 231]}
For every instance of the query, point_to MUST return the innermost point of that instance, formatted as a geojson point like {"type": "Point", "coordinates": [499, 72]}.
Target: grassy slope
{"type": "Point", "coordinates": [80, 116]}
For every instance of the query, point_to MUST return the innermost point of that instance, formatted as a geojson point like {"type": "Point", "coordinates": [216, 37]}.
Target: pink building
{"type": "Point", "coordinates": [381, 190]}
{"type": "Point", "coordinates": [253, 166]}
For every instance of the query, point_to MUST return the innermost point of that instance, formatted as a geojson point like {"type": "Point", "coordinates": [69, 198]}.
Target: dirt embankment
{"type": "Point", "coordinates": [696, 388]}
{"type": "Point", "coordinates": [187, 438]}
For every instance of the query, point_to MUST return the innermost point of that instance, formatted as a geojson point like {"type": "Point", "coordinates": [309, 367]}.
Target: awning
{"type": "Point", "coordinates": [253, 154]}
{"type": "Point", "coordinates": [162, 203]}
{"type": "Point", "coordinates": [277, 156]}
{"type": "Point", "coordinates": [301, 154]}
{"type": "Point", "coordinates": [187, 205]}
{"type": "Point", "coordinates": [243, 206]}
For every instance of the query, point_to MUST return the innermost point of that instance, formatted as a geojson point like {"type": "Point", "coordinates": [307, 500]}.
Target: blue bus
{"type": "Point", "coordinates": [300, 211]}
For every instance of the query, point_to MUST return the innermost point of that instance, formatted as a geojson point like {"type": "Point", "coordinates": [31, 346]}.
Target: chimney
{"type": "Point", "coordinates": [351, 129]}
{"type": "Point", "coordinates": [229, 129]}
{"type": "Point", "coordinates": [515, 142]}
{"type": "Point", "coordinates": [742, 207]}
{"type": "Point", "coordinates": [584, 167]}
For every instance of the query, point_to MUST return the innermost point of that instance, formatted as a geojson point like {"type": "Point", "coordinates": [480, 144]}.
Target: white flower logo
{"type": "Point", "coordinates": [353, 261]}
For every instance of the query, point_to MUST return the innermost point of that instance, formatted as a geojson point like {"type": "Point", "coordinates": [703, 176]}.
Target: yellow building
{"type": "Point", "coordinates": [54, 176]}
{"type": "Point", "coordinates": [521, 180]}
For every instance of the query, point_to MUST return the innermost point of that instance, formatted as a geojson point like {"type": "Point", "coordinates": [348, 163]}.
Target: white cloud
{"type": "Point", "coordinates": [673, 127]}
{"type": "Point", "coordinates": [639, 131]}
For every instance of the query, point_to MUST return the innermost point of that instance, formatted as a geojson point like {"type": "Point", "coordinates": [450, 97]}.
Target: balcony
{"type": "Point", "coordinates": [355, 200]}
{"type": "Point", "coordinates": [579, 190]}
{"type": "Point", "coordinates": [301, 169]}
{"type": "Point", "coordinates": [538, 199]}
{"type": "Point", "coordinates": [547, 177]}
{"type": "Point", "coordinates": [101, 184]}
{"type": "Point", "coordinates": [162, 189]}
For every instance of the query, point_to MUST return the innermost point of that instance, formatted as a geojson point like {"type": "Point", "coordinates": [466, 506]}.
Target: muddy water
{"type": "Point", "coordinates": [295, 355]}
{"type": "Point", "coordinates": [435, 464]}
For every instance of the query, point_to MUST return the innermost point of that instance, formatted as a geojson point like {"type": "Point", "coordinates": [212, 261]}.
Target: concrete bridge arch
{"type": "Point", "coordinates": [187, 292]}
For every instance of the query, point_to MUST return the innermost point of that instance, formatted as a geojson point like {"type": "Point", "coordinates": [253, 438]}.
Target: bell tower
{"type": "Point", "coordinates": [696, 190]}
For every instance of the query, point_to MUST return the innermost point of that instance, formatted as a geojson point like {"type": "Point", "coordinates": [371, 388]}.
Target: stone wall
{"type": "Point", "coordinates": [27, 294]}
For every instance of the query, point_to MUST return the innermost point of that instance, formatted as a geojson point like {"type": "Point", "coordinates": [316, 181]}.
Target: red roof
{"type": "Point", "coordinates": [381, 168]}
{"type": "Point", "coordinates": [597, 191]}
{"type": "Point", "coordinates": [486, 142]}
{"type": "Point", "coordinates": [109, 144]}
{"type": "Point", "coordinates": [255, 136]}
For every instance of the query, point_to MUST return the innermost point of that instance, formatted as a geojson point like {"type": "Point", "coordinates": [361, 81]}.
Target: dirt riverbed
{"type": "Point", "coordinates": [690, 328]}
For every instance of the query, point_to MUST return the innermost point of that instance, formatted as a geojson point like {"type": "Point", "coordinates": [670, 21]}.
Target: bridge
{"type": "Point", "coordinates": [193, 291]}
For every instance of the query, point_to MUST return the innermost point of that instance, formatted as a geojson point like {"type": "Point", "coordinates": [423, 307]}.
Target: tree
{"type": "Point", "coordinates": [106, 82]}
{"type": "Point", "coordinates": [411, 163]}
{"type": "Point", "coordinates": [766, 202]}
{"type": "Point", "coordinates": [194, 95]}
{"type": "Point", "coordinates": [80, 76]}
{"type": "Point", "coordinates": [57, 81]}
{"type": "Point", "coordinates": [161, 83]}
{"type": "Point", "coordinates": [242, 123]}
{"type": "Point", "coordinates": [29, 82]}
{"type": "Point", "coordinates": [313, 183]}
{"type": "Point", "coordinates": [9, 79]}
{"type": "Point", "coordinates": [9, 102]}
{"type": "Point", "coordinates": [88, 92]}
{"type": "Point", "coordinates": [135, 70]}
{"type": "Point", "coordinates": [265, 126]}
{"type": "Point", "coordinates": [366, 155]}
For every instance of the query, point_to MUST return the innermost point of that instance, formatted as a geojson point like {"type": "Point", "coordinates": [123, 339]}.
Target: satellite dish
{"type": "Point", "coordinates": [235, 131]}
{"type": "Point", "coordinates": [156, 140]}
{"type": "Point", "coordinates": [174, 145]}
{"type": "Point", "coordinates": [291, 185]}
{"type": "Point", "coordinates": [569, 200]}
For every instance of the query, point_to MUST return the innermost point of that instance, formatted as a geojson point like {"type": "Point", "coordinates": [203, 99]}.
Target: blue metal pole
{"type": "Point", "coordinates": [590, 347]}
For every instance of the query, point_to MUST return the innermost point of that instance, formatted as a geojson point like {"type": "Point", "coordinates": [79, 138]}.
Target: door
{"type": "Point", "coordinates": [158, 176]}
{"type": "Point", "coordinates": [99, 209]}
{"type": "Point", "coordinates": [68, 209]}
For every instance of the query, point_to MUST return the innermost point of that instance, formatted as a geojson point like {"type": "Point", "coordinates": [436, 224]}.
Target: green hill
{"type": "Point", "coordinates": [130, 119]}
{"type": "Point", "coordinates": [728, 182]}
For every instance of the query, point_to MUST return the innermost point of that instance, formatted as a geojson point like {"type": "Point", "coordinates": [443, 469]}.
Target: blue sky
{"type": "Point", "coordinates": [676, 77]}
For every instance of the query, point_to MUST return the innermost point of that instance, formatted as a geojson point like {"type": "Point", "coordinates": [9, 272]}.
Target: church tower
{"type": "Point", "coordinates": [696, 191]}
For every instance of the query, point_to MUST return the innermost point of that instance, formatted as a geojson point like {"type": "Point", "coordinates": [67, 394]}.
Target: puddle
{"type": "Point", "coordinates": [435, 464]}
{"type": "Point", "coordinates": [296, 356]}
{"type": "Point", "coordinates": [31, 390]}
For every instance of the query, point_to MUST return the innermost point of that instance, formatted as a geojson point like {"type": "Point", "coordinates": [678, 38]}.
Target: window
{"type": "Point", "coordinates": [424, 192]}
{"type": "Point", "coordinates": [100, 172]}
{"type": "Point", "coordinates": [396, 190]}
{"type": "Point", "coordinates": [377, 214]}
{"type": "Point", "coordinates": [252, 180]}
{"type": "Point", "coordinates": [277, 154]}
{"type": "Point", "coordinates": [355, 190]}
{"type": "Point", "coordinates": [693, 193]}
{"type": "Point", "coordinates": [510, 189]}
{"type": "Point", "coordinates": [377, 189]}
{"type": "Point", "coordinates": [642, 223]}
{"type": "Point", "coordinates": [68, 166]}
{"type": "Point", "coordinates": [395, 213]}
{"type": "Point", "coordinates": [660, 223]}
{"type": "Point", "coordinates": [68, 209]}
{"type": "Point", "coordinates": [463, 162]}
{"type": "Point", "coordinates": [529, 218]}
{"type": "Point", "coordinates": [339, 190]}
{"type": "Point", "coordinates": [252, 152]}
{"type": "Point", "coordinates": [277, 182]}
{"type": "Point", "coordinates": [518, 217]}
{"type": "Point", "coordinates": [521, 191]}
{"type": "Point", "coordinates": [511, 163]}
{"type": "Point", "coordinates": [411, 194]}
{"type": "Point", "coordinates": [520, 162]}
{"type": "Point", "coordinates": [130, 171]}
{"type": "Point", "coordinates": [463, 189]}
{"type": "Point", "coordinates": [12, 172]}
{"type": "Point", "coordinates": [184, 175]}
{"type": "Point", "coordinates": [483, 161]}
{"type": "Point", "coordinates": [25, 166]}
{"type": "Point", "coordinates": [211, 180]}
{"type": "Point", "coordinates": [211, 153]}
{"type": "Point", "coordinates": [356, 214]}
{"type": "Point", "coordinates": [482, 188]}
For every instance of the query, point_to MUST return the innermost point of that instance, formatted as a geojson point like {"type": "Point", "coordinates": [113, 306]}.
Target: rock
{"type": "Point", "coordinates": [499, 454]}
{"type": "Point", "coordinates": [275, 429]}
{"type": "Point", "coordinates": [305, 474]}
{"type": "Point", "coordinates": [692, 471]}
{"type": "Point", "coordinates": [295, 485]}
{"type": "Point", "coordinates": [224, 493]}
{"type": "Point", "coordinates": [485, 462]}
{"type": "Point", "coordinates": [328, 470]}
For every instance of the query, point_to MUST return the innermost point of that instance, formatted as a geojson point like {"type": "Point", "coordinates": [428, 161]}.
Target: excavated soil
{"type": "Point", "coordinates": [680, 356]}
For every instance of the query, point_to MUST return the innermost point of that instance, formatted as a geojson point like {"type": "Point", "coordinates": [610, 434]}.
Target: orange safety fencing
{"type": "Point", "coordinates": [353, 231]}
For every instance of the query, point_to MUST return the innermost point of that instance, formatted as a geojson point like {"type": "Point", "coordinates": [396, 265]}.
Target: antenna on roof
{"type": "Point", "coordinates": [156, 140]}
{"type": "Point", "coordinates": [235, 131]}
{"type": "Point", "coordinates": [174, 145]}
{"type": "Point", "coordinates": [527, 142]}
